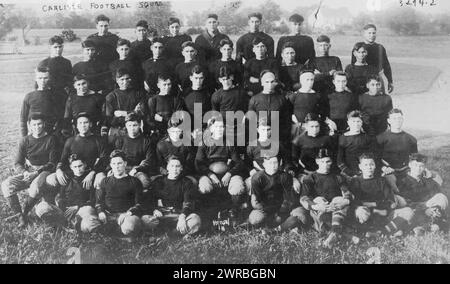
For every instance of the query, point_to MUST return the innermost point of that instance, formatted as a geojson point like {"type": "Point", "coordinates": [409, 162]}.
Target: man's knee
{"type": "Point", "coordinates": [38, 185]}
{"type": "Point", "coordinates": [194, 223]}
{"type": "Point", "coordinates": [8, 188]}
{"type": "Point", "coordinates": [236, 186]}
{"type": "Point", "coordinates": [257, 217]}
{"type": "Point", "coordinates": [50, 213]}
{"type": "Point", "coordinates": [439, 200]}
{"type": "Point", "coordinates": [362, 214]}
{"type": "Point", "coordinates": [86, 211]}
{"type": "Point", "coordinates": [89, 224]}
{"type": "Point", "coordinates": [400, 201]}
{"type": "Point", "coordinates": [150, 222]}
{"type": "Point", "coordinates": [301, 214]}
{"type": "Point", "coordinates": [406, 214]}
{"type": "Point", "coordinates": [130, 225]}
{"type": "Point", "coordinates": [205, 185]}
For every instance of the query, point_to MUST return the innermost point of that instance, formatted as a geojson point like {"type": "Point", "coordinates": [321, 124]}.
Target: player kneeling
{"type": "Point", "coordinates": [173, 198]}
{"type": "Point", "coordinates": [327, 198]}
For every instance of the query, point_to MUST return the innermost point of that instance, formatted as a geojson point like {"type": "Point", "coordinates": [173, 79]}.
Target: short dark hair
{"type": "Point", "coordinates": [197, 69]}
{"type": "Point", "coordinates": [189, 43]}
{"type": "Point", "coordinates": [75, 157]}
{"type": "Point", "coordinates": [373, 77]}
{"type": "Point", "coordinates": [152, 31]}
{"type": "Point", "coordinates": [288, 44]}
{"type": "Point", "coordinates": [355, 114]}
{"type": "Point", "coordinates": [304, 71]}
{"type": "Point", "coordinates": [323, 38]}
{"type": "Point", "coordinates": [118, 154]}
{"type": "Point", "coordinates": [42, 69]}
{"type": "Point", "coordinates": [174, 122]}
{"type": "Point", "coordinates": [323, 153]}
{"type": "Point", "coordinates": [134, 117]}
{"type": "Point", "coordinates": [36, 116]}
{"type": "Point", "coordinates": [121, 72]}
{"type": "Point", "coordinates": [85, 115]}
{"type": "Point", "coordinates": [418, 158]}
{"type": "Point", "coordinates": [123, 41]}
{"type": "Point", "coordinates": [174, 158]}
{"type": "Point", "coordinates": [369, 26]}
{"type": "Point", "coordinates": [226, 41]}
{"type": "Point", "coordinates": [312, 117]}
{"type": "Point", "coordinates": [214, 16]}
{"type": "Point", "coordinates": [56, 39]}
{"type": "Point", "coordinates": [225, 72]}
{"type": "Point", "coordinates": [366, 156]}
{"type": "Point", "coordinates": [296, 18]}
{"type": "Point", "coordinates": [143, 24]}
{"type": "Point", "coordinates": [158, 40]}
{"type": "Point", "coordinates": [164, 76]}
{"type": "Point", "coordinates": [265, 71]}
{"type": "Point", "coordinates": [359, 45]}
{"type": "Point", "coordinates": [88, 44]}
{"type": "Point", "coordinates": [173, 20]}
{"type": "Point", "coordinates": [340, 73]}
{"type": "Point", "coordinates": [394, 111]}
{"type": "Point", "coordinates": [102, 18]}
{"type": "Point", "coordinates": [80, 77]}
{"type": "Point", "coordinates": [255, 15]}
{"type": "Point", "coordinates": [257, 40]}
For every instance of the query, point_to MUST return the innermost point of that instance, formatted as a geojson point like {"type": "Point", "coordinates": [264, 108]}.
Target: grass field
{"type": "Point", "coordinates": [42, 244]}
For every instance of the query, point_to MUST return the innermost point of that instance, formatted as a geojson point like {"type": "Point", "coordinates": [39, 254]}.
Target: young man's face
{"type": "Point", "coordinates": [88, 53]}
{"type": "Point", "coordinates": [174, 29]}
{"type": "Point", "coordinates": [295, 27]}
{"type": "Point", "coordinates": [313, 128]}
{"type": "Point", "coordinates": [212, 25]}
{"type": "Point", "coordinates": [189, 53]}
{"type": "Point", "coordinates": [102, 27]}
{"type": "Point", "coordinates": [42, 79]}
{"type": "Point", "coordinates": [197, 80]}
{"type": "Point", "coordinates": [83, 125]}
{"type": "Point", "coordinates": [123, 51]}
{"type": "Point", "coordinates": [264, 132]}
{"type": "Point", "coordinates": [226, 51]}
{"type": "Point", "coordinates": [157, 49]}
{"type": "Point", "coordinates": [164, 86]}
{"type": "Point", "coordinates": [217, 129]}
{"type": "Point", "coordinates": [260, 50]}
{"type": "Point", "coordinates": [56, 50]}
{"type": "Point", "coordinates": [175, 134]}
{"type": "Point", "coordinates": [360, 54]}
{"type": "Point", "coordinates": [288, 55]}
{"type": "Point", "coordinates": [370, 35]}
{"type": "Point", "coordinates": [227, 82]}
{"type": "Point", "coordinates": [307, 81]}
{"type": "Point", "coordinates": [118, 166]}
{"type": "Point", "coordinates": [395, 120]}
{"type": "Point", "coordinates": [36, 127]}
{"type": "Point", "coordinates": [367, 167]}
{"type": "Point", "coordinates": [133, 128]}
{"type": "Point", "coordinates": [141, 33]}
{"type": "Point", "coordinates": [324, 165]}
{"type": "Point", "coordinates": [254, 23]}
{"type": "Point", "coordinates": [355, 124]}
{"type": "Point", "coordinates": [271, 165]}
{"type": "Point", "coordinates": [269, 82]}
{"type": "Point", "coordinates": [174, 169]}
{"type": "Point", "coordinates": [374, 87]}
{"type": "Point", "coordinates": [81, 86]}
{"type": "Point", "coordinates": [417, 168]}
{"type": "Point", "coordinates": [78, 168]}
{"type": "Point", "coordinates": [124, 82]}
{"type": "Point", "coordinates": [340, 82]}
{"type": "Point", "coordinates": [323, 48]}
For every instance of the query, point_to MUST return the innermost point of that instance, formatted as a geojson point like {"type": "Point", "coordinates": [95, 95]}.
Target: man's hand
{"type": "Point", "coordinates": [104, 131]}
{"type": "Point", "coordinates": [215, 180]}
{"type": "Point", "coordinates": [158, 118]}
{"type": "Point", "coordinates": [390, 88]}
{"type": "Point", "coordinates": [388, 170]}
{"type": "Point", "coordinates": [254, 80]}
{"type": "Point", "coordinates": [157, 213]}
{"type": "Point", "coordinates": [339, 205]}
{"type": "Point", "coordinates": [70, 211]}
{"type": "Point", "coordinates": [133, 172]}
{"type": "Point", "coordinates": [29, 176]}
{"type": "Point", "coordinates": [61, 177]}
{"type": "Point", "coordinates": [182, 225]}
{"type": "Point", "coordinates": [102, 217]}
{"type": "Point", "coordinates": [332, 72]}
{"type": "Point", "coordinates": [120, 113]}
{"type": "Point", "coordinates": [321, 207]}
{"type": "Point", "coordinates": [433, 212]}
{"type": "Point", "coordinates": [226, 179]}
{"type": "Point", "coordinates": [88, 181]}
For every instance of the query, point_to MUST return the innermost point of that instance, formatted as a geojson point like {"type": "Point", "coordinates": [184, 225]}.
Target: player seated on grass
{"type": "Point", "coordinates": [120, 102]}
{"type": "Point", "coordinates": [325, 66]}
{"type": "Point", "coordinates": [161, 106]}
{"type": "Point", "coordinates": [140, 49]}
{"type": "Point", "coordinates": [306, 146]}
{"type": "Point", "coordinates": [173, 198]}
{"type": "Point", "coordinates": [208, 41]}
{"type": "Point", "coordinates": [138, 150]}
{"type": "Point", "coordinates": [327, 198]}
{"type": "Point", "coordinates": [96, 73]}
{"type": "Point", "coordinates": [119, 198]}
{"type": "Point", "coordinates": [36, 159]}
{"type": "Point", "coordinates": [155, 66]}
{"type": "Point", "coordinates": [376, 105]}
{"type": "Point", "coordinates": [341, 101]}
{"type": "Point", "coordinates": [75, 201]}
{"type": "Point", "coordinates": [352, 144]}
{"type": "Point", "coordinates": [304, 45]}
{"type": "Point", "coordinates": [84, 100]}
{"type": "Point", "coordinates": [226, 49]}
{"type": "Point", "coordinates": [220, 168]}
{"type": "Point", "coordinates": [373, 197]}
{"type": "Point", "coordinates": [88, 147]}
{"type": "Point", "coordinates": [174, 41]}
{"type": "Point", "coordinates": [41, 101]}
{"type": "Point", "coordinates": [377, 55]}
{"type": "Point", "coordinates": [274, 201]}
{"type": "Point", "coordinates": [244, 46]}
{"type": "Point", "coordinates": [184, 69]}
{"type": "Point", "coordinates": [105, 41]}
{"type": "Point", "coordinates": [198, 92]}
{"type": "Point", "coordinates": [60, 68]}
{"type": "Point", "coordinates": [290, 70]}
{"type": "Point", "coordinates": [126, 62]}
{"type": "Point", "coordinates": [424, 195]}
{"type": "Point", "coordinates": [254, 67]}
{"type": "Point", "coordinates": [359, 71]}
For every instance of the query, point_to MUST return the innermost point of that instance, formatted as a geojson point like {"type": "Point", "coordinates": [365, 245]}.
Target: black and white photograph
{"type": "Point", "coordinates": [225, 132]}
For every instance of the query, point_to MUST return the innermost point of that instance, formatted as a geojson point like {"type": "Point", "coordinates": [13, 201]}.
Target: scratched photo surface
{"type": "Point", "coordinates": [416, 38]}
